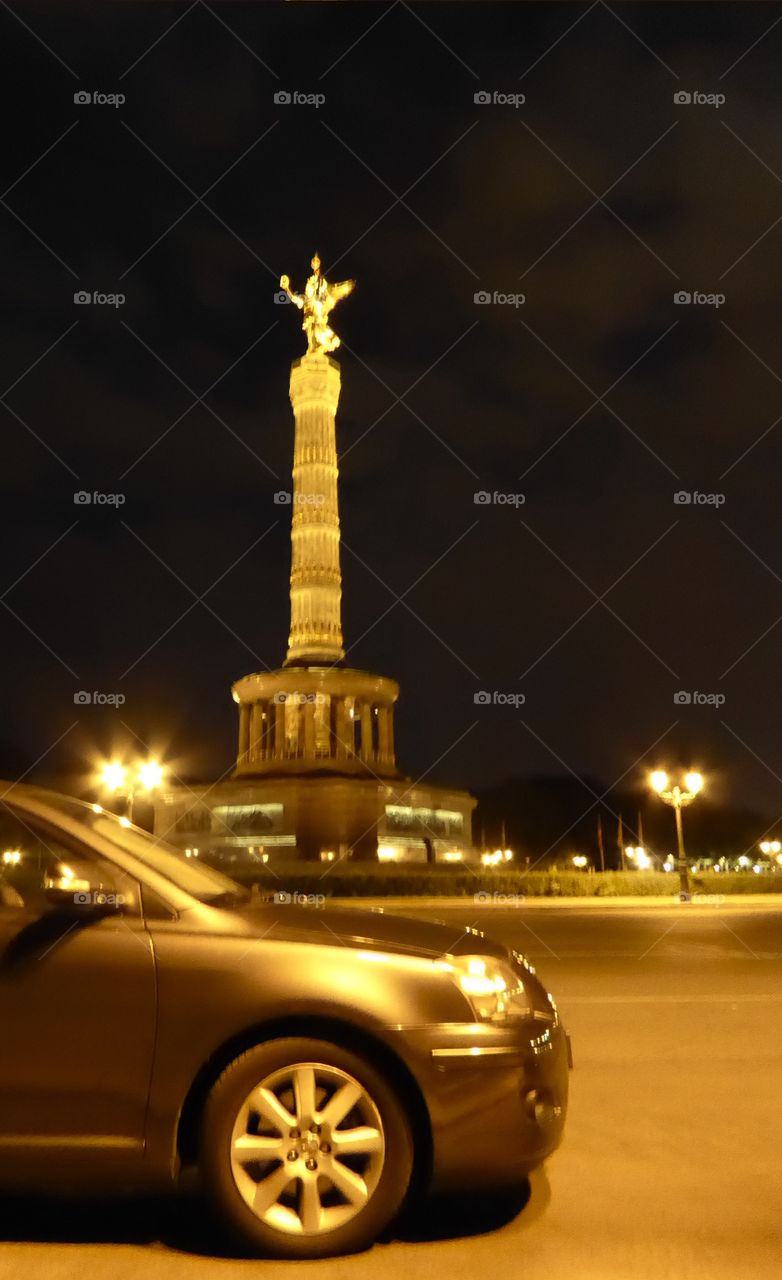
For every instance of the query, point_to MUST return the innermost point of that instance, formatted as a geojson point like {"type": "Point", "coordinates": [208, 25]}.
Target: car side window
{"type": "Point", "coordinates": [41, 870]}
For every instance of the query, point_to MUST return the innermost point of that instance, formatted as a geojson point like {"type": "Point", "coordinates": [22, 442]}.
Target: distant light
{"type": "Point", "coordinates": [643, 861]}
{"type": "Point", "coordinates": [658, 780]}
{"type": "Point", "coordinates": [97, 808]}
{"type": "Point", "coordinates": [716, 867]}
{"type": "Point", "coordinates": [668, 865]}
{"type": "Point", "coordinates": [12, 856]}
{"type": "Point", "coordinates": [113, 775]}
{"type": "Point", "coordinates": [150, 774]}
{"type": "Point", "coordinates": [579, 860]}
{"type": "Point", "coordinates": [388, 853]}
{"type": "Point", "coordinates": [264, 857]}
{"type": "Point", "coordinates": [124, 822]}
{"type": "Point", "coordinates": [453, 855]}
{"type": "Point", "coordinates": [693, 782]}
{"type": "Point", "coordinates": [743, 861]}
{"type": "Point", "coordinates": [757, 868]}
{"type": "Point", "coordinates": [508, 855]}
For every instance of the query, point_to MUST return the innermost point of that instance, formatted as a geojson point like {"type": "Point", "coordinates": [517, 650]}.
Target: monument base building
{"type": "Point", "coordinates": [316, 775]}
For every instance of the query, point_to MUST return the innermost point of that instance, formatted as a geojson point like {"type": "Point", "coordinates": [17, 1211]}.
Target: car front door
{"type": "Point", "coordinates": [77, 1001]}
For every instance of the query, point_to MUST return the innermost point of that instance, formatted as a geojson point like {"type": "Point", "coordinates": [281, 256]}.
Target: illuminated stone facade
{"type": "Point", "coordinates": [316, 775]}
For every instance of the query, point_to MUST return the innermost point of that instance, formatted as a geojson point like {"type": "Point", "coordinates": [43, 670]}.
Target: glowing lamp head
{"type": "Point", "coordinates": [658, 780]}
{"type": "Point", "coordinates": [150, 775]}
{"type": "Point", "coordinates": [693, 782]}
{"type": "Point", "coordinates": [113, 775]}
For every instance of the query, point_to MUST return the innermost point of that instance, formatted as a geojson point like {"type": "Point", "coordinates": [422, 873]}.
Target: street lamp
{"type": "Point", "coordinates": [579, 860]}
{"type": "Point", "coordinates": [678, 797]}
{"type": "Point", "coordinates": [145, 775]}
{"type": "Point", "coordinates": [637, 854]}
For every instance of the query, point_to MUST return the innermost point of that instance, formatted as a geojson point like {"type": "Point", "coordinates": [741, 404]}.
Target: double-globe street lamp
{"type": "Point", "coordinates": [121, 780]}
{"type": "Point", "coordinates": [678, 797]}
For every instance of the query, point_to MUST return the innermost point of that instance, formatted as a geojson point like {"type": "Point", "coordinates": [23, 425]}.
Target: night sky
{"type": "Point", "coordinates": [598, 398]}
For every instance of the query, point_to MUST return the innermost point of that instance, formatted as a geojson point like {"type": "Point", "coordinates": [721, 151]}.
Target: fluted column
{"type": "Point", "coordinates": [316, 581]}
{"type": "Point", "coordinates": [390, 735]}
{"type": "Point", "coordinates": [342, 728]}
{"type": "Point", "coordinates": [244, 731]}
{"type": "Point", "coordinates": [256, 730]}
{"type": "Point", "coordinates": [308, 716]}
{"type": "Point", "coordinates": [279, 730]}
{"type": "Point", "coordinates": [367, 752]}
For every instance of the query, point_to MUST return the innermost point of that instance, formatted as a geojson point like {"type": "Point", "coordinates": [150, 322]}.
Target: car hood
{"type": "Point", "coordinates": [368, 928]}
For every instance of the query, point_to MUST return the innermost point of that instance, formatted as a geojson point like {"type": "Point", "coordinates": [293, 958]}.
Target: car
{"type": "Point", "coordinates": [317, 1066]}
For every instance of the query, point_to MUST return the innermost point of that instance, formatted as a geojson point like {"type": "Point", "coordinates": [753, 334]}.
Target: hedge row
{"type": "Point", "coordinates": [359, 880]}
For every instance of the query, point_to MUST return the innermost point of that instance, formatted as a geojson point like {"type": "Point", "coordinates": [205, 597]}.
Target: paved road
{"type": "Point", "coordinates": [671, 1167]}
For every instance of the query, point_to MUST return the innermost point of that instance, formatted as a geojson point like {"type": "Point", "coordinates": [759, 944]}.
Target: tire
{"type": "Point", "coordinates": [271, 1181]}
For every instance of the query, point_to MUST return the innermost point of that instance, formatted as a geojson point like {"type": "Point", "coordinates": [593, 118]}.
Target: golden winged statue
{"type": "Point", "coordinates": [317, 302]}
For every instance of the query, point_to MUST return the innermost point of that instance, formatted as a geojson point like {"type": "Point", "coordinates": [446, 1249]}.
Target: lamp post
{"type": "Point", "coordinates": [120, 780]}
{"type": "Point", "coordinates": [678, 797]}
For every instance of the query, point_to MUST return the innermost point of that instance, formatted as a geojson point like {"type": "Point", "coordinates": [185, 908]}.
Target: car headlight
{"type": "Point", "coordinates": [494, 991]}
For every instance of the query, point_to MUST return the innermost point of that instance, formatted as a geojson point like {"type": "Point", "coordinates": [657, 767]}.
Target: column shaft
{"type": "Point", "coordinates": [244, 732]}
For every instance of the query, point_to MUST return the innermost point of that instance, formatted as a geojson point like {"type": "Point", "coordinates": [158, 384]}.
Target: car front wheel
{"type": "Point", "coordinates": [305, 1149]}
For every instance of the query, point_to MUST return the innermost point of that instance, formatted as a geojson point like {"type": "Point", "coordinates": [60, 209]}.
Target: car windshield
{"type": "Point", "coordinates": [192, 876]}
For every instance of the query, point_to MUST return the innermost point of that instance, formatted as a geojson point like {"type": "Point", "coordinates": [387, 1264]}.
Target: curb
{"type": "Point", "coordinates": [670, 902]}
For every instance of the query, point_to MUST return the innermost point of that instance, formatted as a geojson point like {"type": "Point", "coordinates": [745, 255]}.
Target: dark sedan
{"type": "Point", "coordinates": [316, 1064]}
